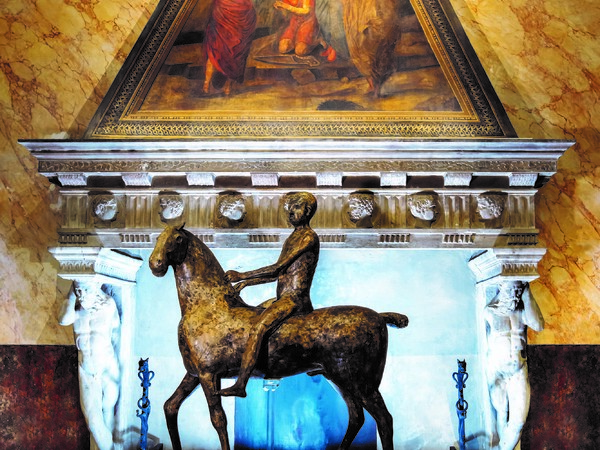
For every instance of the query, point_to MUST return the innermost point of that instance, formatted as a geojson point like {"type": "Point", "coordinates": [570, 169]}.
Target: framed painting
{"type": "Point", "coordinates": [262, 69]}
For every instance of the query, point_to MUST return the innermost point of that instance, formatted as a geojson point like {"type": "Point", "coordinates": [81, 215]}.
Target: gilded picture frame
{"type": "Point", "coordinates": [434, 85]}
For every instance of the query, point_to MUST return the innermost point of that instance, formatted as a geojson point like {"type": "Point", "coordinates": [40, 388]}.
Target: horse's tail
{"type": "Point", "coordinates": [395, 320]}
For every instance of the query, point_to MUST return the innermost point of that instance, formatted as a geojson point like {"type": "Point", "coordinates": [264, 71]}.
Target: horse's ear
{"type": "Point", "coordinates": [181, 227]}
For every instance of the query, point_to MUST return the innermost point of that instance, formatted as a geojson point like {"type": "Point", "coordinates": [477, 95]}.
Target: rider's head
{"type": "Point", "coordinates": [300, 206]}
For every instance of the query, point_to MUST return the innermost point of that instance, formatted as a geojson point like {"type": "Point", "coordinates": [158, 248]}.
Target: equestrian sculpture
{"type": "Point", "coordinates": [346, 344]}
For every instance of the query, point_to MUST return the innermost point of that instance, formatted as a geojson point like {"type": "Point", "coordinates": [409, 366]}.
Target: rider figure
{"type": "Point", "coordinates": [294, 271]}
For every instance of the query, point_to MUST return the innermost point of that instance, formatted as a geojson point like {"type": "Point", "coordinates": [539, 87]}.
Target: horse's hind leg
{"type": "Point", "coordinates": [375, 405]}
{"type": "Point", "coordinates": [356, 418]}
{"type": "Point", "coordinates": [211, 385]}
{"type": "Point", "coordinates": [172, 405]}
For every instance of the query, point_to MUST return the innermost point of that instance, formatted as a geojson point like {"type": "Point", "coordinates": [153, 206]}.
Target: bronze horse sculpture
{"type": "Point", "coordinates": [346, 344]}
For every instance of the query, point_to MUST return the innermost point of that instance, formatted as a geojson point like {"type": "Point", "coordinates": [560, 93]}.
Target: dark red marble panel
{"type": "Point", "coordinates": [39, 399]}
{"type": "Point", "coordinates": [565, 398]}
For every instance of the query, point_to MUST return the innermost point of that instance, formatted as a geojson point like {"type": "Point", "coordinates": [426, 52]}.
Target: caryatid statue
{"type": "Point", "coordinates": [507, 317]}
{"type": "Point", "coordinates": [96, 325]}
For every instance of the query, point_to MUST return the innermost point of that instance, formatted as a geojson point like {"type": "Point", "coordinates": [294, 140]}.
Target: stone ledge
{"type": "Point", "coordinates": [500, 240]}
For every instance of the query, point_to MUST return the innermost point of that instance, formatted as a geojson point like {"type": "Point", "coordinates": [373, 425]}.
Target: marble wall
{"type": "Point", "coordinates": [57, 60]}
{"type": "Point", "coordinates": [543, 59]}
{"type": "Point", "coordinates": [59, 57]}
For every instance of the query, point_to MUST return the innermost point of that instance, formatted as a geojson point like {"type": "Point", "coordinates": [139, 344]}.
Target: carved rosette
{"type": "Point", "coordinates": [171, 207]}
{"type": "Point", "coordinates": [361, 209]}
{"type": "Point", "coordinates": [231, 209]}
{"type": "Point", "coordinates": [105, 207]}
{"type": "Point", "coordinates": [425, 207]}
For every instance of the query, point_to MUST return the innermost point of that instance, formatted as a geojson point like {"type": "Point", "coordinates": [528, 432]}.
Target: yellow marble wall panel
{"type": "Point", "coordinates": [543, 58]}
{"type": "Point", "coordinates": [57, 59]}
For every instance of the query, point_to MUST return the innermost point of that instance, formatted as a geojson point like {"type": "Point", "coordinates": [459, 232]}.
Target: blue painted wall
{"type": "Point", "coordinates": [434, 288]}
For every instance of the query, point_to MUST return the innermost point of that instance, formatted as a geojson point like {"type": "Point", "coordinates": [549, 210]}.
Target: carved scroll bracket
{"type": "Point", "coordinates": [101, 264]}
{"type": "Point", "coordinates": [499, 264]}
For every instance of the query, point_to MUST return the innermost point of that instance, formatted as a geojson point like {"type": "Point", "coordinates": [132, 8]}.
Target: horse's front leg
{"type": "Point", "coordinates": [185, 388]}
{"type": "Point", "coordinates": [211, 384]}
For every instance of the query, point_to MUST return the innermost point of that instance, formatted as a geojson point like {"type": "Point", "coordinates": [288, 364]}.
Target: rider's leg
{"type": "Point", "coordinates": [269, 320]}
{"type": "Point", "coordinates": [267, 303]}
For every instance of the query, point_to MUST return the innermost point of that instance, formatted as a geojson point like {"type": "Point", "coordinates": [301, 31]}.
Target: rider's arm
{"type": "Point", "coordinates": [243, 284]}
{"type": "Point", "coordinates": [284, 261]}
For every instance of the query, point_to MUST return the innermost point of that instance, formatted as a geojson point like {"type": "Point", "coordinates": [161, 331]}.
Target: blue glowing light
{"type": "Point", "coordinates": [309, 414]}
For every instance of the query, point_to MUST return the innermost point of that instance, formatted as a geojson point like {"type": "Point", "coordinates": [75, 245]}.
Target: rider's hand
{"type": "Point", "coordinates": [233, 276]}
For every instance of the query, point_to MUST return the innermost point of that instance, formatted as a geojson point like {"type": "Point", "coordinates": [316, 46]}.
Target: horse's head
{"type": "Point", "coordinates": [170, 250]}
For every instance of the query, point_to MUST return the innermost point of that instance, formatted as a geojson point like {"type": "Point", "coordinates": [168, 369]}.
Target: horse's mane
{"type": "Point", "coordinates": [233, 300]}
{"type": "Point", "coordinates": [202, 247]}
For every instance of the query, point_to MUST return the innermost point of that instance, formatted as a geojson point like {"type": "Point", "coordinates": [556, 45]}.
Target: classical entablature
{"type": "Point", "coordinates": [480, 192]}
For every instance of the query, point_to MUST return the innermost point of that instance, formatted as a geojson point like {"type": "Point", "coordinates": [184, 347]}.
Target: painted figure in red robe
{"type": "Point", "coordinates": [228, 39]}
{"type": "Point", "coordinates": [302, 34]}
